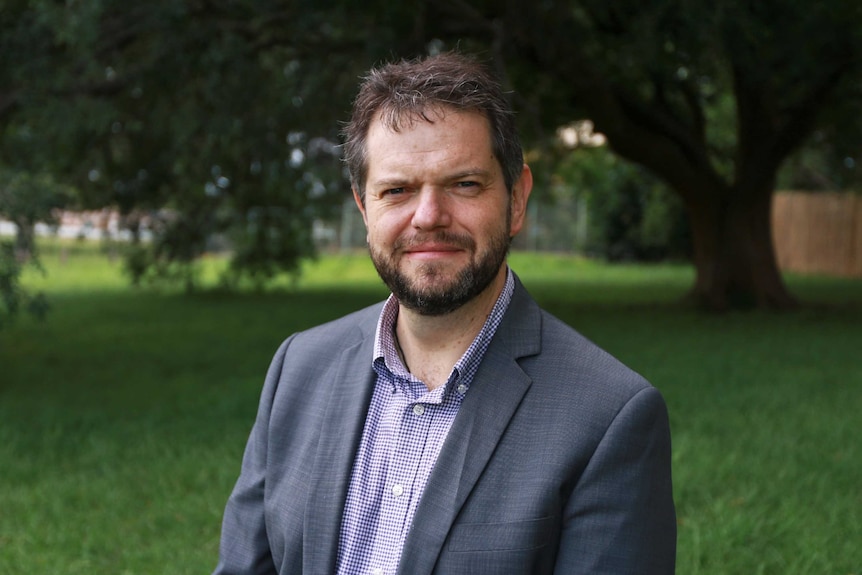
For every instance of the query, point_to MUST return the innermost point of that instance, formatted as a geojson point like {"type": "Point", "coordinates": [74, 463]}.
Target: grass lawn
{"type": "Point", "coordinates": [124, 415]}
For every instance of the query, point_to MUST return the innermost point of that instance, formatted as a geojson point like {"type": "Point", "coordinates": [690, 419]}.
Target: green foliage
{"type": "Point", "coordinates": [123, 420]}
{"type": "Point", "coordinates": [220, 120]}
{"type": "Point", "coordinates": [711, 98]}
{"type": "Point", "coordinates": [215, 121]}
{"type": "Point", "coordinates": [832, 161]}
{"type": "Point", "coordinates": [632, 215]}
{"type": "Point", "coordinates": [13, 297]}
{"type": "Point", "coordinates": [25, 199]}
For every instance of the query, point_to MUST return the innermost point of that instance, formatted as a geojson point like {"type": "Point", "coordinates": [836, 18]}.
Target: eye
{"type": "Point", "coordinates": [467, 187]}
{"type": "Point", "coordinates": [390, 192]}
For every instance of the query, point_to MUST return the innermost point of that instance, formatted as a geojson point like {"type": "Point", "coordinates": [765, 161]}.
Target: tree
{"type": "Point", "coordinates": [831, 160]}
{"type": "Point", "coordinates": [25, 199]}
{"type": "Point", "coordinates": [214, 119]}
{"type": "Point", "coordinates": [221, 118]}
{"type": "Point", "coordinates": [711, 98]}
{"type": "Point", "coordinates": [13, 297]}
{"type": "Point", "coordinates": [632, 216]}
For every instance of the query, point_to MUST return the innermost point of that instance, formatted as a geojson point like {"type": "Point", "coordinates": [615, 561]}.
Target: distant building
{"type": "Point", "coordinates": [87, 225]}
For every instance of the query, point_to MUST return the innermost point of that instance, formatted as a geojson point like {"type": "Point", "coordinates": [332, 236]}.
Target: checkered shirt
{"type": "Point", "coordinates": [405, 428]}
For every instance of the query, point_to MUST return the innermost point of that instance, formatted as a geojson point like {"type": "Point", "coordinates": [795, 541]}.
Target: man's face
{"type": "Point", "coordinates": [438, 214]}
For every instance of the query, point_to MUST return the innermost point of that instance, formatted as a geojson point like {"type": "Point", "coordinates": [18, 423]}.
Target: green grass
{"type": "Point", "coordinates": [124, 415]}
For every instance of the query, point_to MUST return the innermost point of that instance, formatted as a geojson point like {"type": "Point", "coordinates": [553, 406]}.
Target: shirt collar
{"type": "Point", "coordinates": [386, 354]}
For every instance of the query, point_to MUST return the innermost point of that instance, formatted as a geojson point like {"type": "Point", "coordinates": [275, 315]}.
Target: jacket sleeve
{"type": "Point", "coordinates": [244, 548]}
{"type": "Point", "coordinates": [620, 518]}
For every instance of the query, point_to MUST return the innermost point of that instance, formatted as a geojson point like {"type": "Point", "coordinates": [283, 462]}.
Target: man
{"type": "Point", "coordinates": [456, 427]}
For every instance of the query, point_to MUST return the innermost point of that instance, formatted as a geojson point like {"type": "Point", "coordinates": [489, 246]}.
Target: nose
{"type": "Point", "coordinates": [432, 209]}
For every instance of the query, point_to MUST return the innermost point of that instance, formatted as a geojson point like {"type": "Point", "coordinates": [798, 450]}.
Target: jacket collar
{"type": "Point", "coordinates": [497, 390]}
{"type": "Point", "coordinates": [494, 397]}
{"type": "Point", "coordinates": [340, 434]}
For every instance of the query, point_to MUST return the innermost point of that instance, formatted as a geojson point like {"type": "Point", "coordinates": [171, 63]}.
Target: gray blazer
{"type": "Point", "coordinates": [558, 461]}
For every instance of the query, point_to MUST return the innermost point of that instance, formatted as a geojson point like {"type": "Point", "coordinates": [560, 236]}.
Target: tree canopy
{"type": "Point", "coordinates": [223, 117]}
{"type": "Point", "coordinates": [711, 98]}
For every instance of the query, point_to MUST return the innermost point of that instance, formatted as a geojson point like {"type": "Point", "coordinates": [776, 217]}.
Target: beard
{"type": "Point", "coordinates": [429, 292]}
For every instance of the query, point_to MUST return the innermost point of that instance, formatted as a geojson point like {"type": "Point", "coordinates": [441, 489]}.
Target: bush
{"type": "Point", "coordinates": [632, 215]}
{"type": "Point", "coordinates": [13, 297]}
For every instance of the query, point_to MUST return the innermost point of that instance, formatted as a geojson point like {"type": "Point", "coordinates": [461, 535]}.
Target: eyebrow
{"type": "Point", "coordinates": [398, 182]}
{"type": "Point", "coordinates": [388, 183]}
{"type": "Point", "coordinates": [469, 173]}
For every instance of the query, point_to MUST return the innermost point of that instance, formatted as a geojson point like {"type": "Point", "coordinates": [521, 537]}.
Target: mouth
{"type": "Point", "coordinates": [431, 251]}
{"type": "Point", "coordinates": [443, 242]}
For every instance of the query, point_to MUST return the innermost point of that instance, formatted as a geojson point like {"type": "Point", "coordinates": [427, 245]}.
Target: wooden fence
{"type": "Point", "coordinates": [818, 233]}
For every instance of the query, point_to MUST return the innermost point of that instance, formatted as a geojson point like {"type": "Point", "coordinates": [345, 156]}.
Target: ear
{"type": "Point", "coordinates": [360, 205]}
{"type": "Point", "coordinates": [520, 194]}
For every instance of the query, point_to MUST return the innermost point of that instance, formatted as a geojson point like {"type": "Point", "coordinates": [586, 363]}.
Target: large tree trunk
{"type": "Point", "coordinates": [734, 257]}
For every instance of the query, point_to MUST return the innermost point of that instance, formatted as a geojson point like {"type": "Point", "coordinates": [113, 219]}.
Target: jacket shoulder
{"type": "Point", "coordinates": [340, 332]}
{"type": "Point", "coordinates": [564, 341]}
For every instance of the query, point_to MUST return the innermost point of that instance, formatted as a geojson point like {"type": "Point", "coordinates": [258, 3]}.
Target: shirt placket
{"type": "Point", "coordinates": [399, 492]}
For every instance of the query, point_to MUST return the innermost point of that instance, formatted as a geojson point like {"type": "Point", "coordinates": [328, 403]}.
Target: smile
{"type": "Point", "coordinates": [431, 250]}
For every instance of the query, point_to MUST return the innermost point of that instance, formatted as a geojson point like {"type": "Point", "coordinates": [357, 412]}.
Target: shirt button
{"type": "Point", "coordinates": [377, 571]}
{"type": "Point", "coordinates": [462, 389]}
{"type": "Point", "coordinates": [418, 409]}
{"type": "Point", "coordinates": [397, 490]}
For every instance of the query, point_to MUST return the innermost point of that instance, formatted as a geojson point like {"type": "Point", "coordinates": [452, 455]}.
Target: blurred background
{"type": "Point", "coordinates": [658, 130]}
{"type": "Point", "coordinates": [173, 203]}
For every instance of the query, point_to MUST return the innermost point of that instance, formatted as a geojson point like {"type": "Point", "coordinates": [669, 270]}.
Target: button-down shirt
{"type": "Point", "coordinates": [405, 428]}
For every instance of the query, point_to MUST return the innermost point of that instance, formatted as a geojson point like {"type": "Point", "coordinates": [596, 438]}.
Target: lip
{"type": "Point", "coordinates": [431, 251]}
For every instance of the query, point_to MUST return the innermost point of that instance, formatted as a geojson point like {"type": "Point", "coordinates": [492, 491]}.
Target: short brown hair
{"type": "Point", "coordinates": [404, 91]}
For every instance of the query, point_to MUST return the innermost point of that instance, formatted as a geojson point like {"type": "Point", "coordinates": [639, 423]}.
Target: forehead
{"type": "Point", "coordinates": [407, 120]}
{"type": "Point", "coordinates": [442, 135]}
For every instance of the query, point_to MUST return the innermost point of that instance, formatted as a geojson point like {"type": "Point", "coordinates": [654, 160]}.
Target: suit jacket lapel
{"type": "Point", "coordinates": [494, 396]}
{"type": "Point", "coordinates": [340, 435]}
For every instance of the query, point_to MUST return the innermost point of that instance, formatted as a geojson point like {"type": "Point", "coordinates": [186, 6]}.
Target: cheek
{"type": "Point", "coordinates": [501, 222]}
{"type": "Point", "coordinates": [378, 233]}
{"type": "Point", "coordinates": [387, 223]}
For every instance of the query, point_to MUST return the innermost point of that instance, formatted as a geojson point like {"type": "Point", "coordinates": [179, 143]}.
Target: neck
{"type": "Point", "coordinates": [431, 345]}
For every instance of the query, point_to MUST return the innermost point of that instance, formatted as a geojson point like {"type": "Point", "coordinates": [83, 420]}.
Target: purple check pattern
{"type": "Point", "coordinates": [405, 428]}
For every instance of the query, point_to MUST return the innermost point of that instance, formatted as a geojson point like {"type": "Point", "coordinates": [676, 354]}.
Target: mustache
{"type": "Point", "coordinates": [461, 241]}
